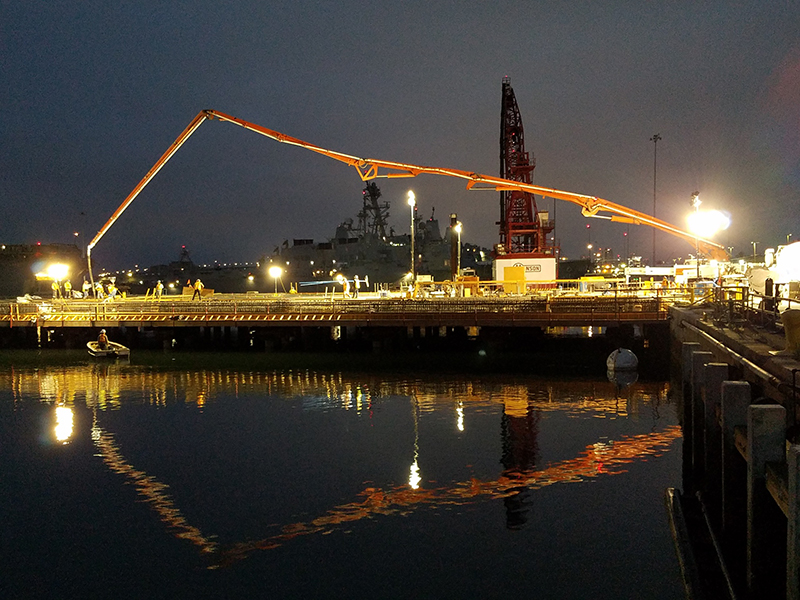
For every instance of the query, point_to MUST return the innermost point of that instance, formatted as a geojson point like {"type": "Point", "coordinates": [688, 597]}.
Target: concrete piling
{"type": "Point", "coordinates": [699, 360]}
{"type": "Point", "coordinates": [766, 435]}
{"type": "Point", "coordinates": [793, 524]}
{"type": "Point", "coordinates": [733, 412]}
{"type": "Point", "coordinates": [714, 375]}
{"type": "Point", "coordinates": [740, 457]}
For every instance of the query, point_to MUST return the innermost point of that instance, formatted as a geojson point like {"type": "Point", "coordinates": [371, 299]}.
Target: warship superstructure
{"type": "Point", "coordinates": [369, 247]}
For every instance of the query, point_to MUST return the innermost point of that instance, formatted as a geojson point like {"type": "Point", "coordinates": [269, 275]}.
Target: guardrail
{"type": "Point", "coordinates": [737, 305]}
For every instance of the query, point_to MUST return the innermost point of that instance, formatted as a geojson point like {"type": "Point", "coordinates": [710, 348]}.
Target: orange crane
{"type": "Point", "coordinates": [370, 168]}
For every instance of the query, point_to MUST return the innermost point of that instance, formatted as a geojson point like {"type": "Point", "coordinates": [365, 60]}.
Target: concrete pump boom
{"type": "Point", "coordinates": [369, 168]}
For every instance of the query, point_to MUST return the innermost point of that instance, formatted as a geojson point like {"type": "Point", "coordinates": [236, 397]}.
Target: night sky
{"type": "Point", "coordinates": [94, 92]}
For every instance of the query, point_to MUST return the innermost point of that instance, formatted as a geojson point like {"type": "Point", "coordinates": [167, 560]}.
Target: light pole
{"type": "Point", "coordinates": [655, 140]}
{"type": "Point", "coordinates": [627, 256]}
{"type": "Point", "coordinates": [412, 201]}
{"type": "Point", "coordinates": [788, 238]}
{"type": "Point", "coordinates": [275, 272]}
{"type": "Point", "coordinates": [696, 205]}
{"type": "Point", "coordinates": [754, 250]}
{"type": "Point", "coordinates": [458, 262]}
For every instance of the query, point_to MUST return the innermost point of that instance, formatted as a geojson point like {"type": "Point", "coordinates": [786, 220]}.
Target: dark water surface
{"type": "Point", "coordinates": [131, 481]}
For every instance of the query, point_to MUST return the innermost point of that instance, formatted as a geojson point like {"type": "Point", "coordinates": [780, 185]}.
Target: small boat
{"type": "Point", "coordinates": [112, 350]}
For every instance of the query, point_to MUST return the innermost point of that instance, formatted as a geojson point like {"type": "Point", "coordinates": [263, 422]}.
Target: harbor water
{"type": "Point", "coordinates": [131, 481]}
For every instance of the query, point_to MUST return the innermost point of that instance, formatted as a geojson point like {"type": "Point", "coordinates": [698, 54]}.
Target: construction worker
{"type": "Point", "coordinates": [158, 290]}
{"type": "Point", "coordinates": [67, 289]}
{"type": "Point", "coordinates": [356, 286]}
{"type": "Point", "coordinates": [56, 289]}
{"type": "Point", "coordinates": [98, 291]}
{"type": "Point", "coordinates": [102, 340]}
{"type": "Point", "coordinates": [86, 288]}
{"type": "Point", "coordinates": [198, 287]}
{"type": "Point", "coordinates": [112, 291]}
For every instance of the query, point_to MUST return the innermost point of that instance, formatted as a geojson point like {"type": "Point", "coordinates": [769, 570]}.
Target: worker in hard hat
{"type": "Point", "coordinates": [198, 288]}
{"type": "Point", "coordinates": [102, 340]}
{"type": "Point", "coordinates": [158, 290]}
{"type": "Point", "coordinates": [67, 289]}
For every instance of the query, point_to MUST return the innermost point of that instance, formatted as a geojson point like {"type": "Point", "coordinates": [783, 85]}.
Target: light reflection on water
{"type": "Point", "coordinates": [103, 386]}
{"type": "Point", "coordinates": [527, 409]}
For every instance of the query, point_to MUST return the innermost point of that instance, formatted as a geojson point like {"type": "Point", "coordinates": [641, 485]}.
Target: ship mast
{"type": "Point", "coordinates": [374, 215]}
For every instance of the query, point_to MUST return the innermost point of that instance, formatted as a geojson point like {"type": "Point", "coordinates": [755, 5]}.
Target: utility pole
{"type": "Point", "coordinates": [655, 140]}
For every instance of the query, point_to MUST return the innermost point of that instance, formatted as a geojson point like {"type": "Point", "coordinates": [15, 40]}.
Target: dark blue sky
{"type": "Point", "coordinates": [94, 92]}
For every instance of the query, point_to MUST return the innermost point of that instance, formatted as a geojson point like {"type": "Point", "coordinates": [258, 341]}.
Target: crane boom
{"type": "Point", "coordinates": [370, 168]}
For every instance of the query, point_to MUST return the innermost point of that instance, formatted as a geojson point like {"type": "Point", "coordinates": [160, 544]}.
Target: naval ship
{"type": "Point", "coordinates": [368, 248]}
{"type": "Point", "coordinates": [365, 247]}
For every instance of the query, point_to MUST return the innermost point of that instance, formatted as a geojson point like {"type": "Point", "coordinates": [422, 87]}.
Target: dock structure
{"type": "Point", "coordinates": [316, 322]}
{"type": "Point", "coordinates": [741, 458]}
{"type": "Point", "coordinates": [287, 310]}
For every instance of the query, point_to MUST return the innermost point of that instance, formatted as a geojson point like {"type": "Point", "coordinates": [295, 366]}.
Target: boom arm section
{"type": "Point", "coordinates": [369, 168]}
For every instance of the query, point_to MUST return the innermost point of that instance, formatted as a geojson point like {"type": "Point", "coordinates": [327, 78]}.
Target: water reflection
{"type": "Point", "coordinates": [596, 460]}
{"type": "Point", "coordinates": [519, 429]}
{"type": "Point", "coordinates": [414, 477]}
{"type": "Point", "coordinates": [64, 424]}
{"type": "Point", "coordinates": [153, 491]}
{"type": "Point", "coordinates": [104, 386]}
{"type": "Point", "coordinates": [519, 403]}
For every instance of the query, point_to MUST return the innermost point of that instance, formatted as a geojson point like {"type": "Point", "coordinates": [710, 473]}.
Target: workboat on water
{"type": "Point", "coordinates": [112, 350]}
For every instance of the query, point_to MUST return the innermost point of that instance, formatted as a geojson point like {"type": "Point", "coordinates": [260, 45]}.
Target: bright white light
{"type": "Point", "coordinates": [788, 263]}
{"type": "Point", "coordinates": [458, 227]}
{"type": "Point", "coordinates": [64, 424]}
{"type": "Point", "coordinates": [57, 271]}
{"type": "Point", "coordinates": [708, 222]}
{"type": "Point", "coordinates": [275, 271]}
{"type": "Point", "coordinates": [460, 419]}
{"type": "Point", "coordinates": [414, 478]}
{"type": "Point", "coordinates": [412, 199]}
{"type": "Point", "coordinates": [250, 278]}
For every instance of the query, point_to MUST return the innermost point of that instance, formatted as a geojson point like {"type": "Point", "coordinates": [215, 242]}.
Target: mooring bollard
{"type": "Point", "coordinates": [735, 400]}
{"type": "Point", "coordinates": [715, 374]}
{"type": "Point", "coordinates": [793, 525]}
{"type": "Point", "coordinates": [766, 442]}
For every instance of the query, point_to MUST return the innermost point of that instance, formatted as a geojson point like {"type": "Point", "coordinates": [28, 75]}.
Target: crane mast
{"type": "Point", "coordinates": [522, 231]}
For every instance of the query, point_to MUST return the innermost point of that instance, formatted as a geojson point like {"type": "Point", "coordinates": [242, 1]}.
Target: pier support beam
{"type": "Point", "coordinates": [766, 439]}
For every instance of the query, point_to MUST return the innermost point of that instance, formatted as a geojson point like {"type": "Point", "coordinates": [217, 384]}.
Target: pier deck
{"type": "Point", "coordinates": [300, 310]}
